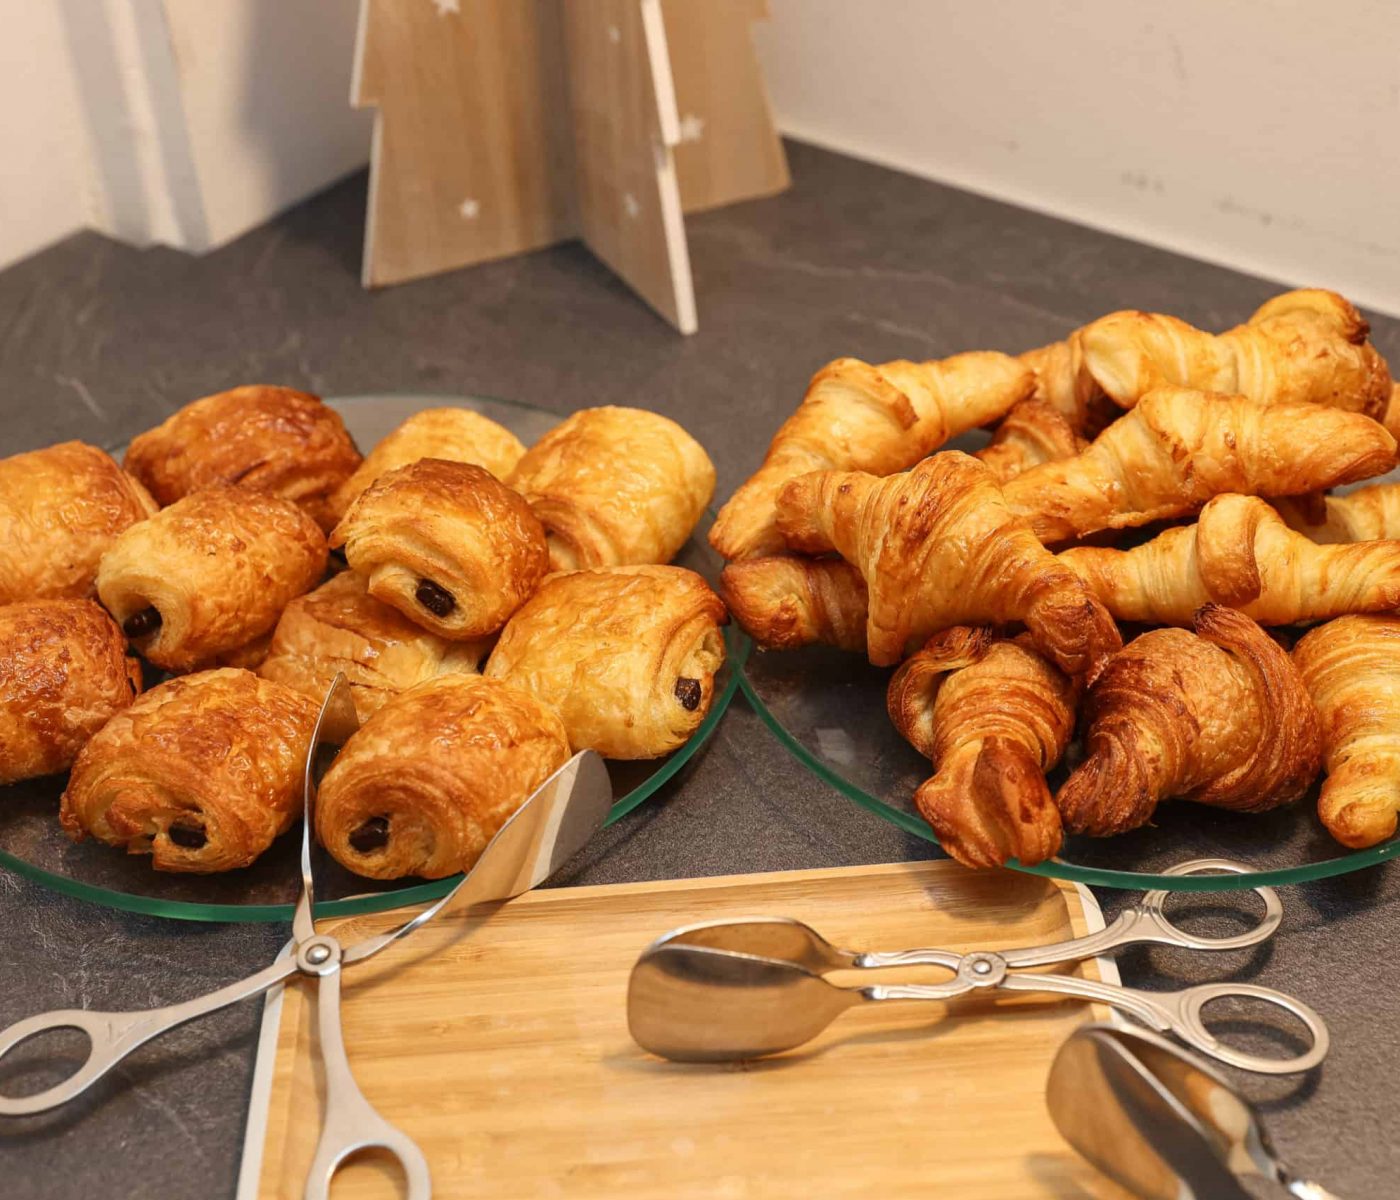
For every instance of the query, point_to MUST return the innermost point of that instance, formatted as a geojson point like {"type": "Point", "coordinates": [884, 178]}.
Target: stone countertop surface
{"type": "Point", "coordinates": [100, 341]}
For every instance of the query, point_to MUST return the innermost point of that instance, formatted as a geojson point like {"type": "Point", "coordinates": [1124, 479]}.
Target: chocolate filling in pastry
{"type": "Point", "coordinates": [688, 692]}
{"type": "Point", "coordinates": [191, 837]}
{"type": "Point", "coordinates": [372, 835]}
{"type": "Point", "coordinates": [435, 599]}
{"type": "Point", "coordinates": [139, 624]}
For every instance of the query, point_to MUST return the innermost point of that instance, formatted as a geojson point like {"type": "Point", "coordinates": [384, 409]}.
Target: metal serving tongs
{"type": "Point", "coordinates": [1160, 1122]}
{"type": "Point", "coordinates": [548, 829]}
{"type": "Point", "coordinates": [728, 990]}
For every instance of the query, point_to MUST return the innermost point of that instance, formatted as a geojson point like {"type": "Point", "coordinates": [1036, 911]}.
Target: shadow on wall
{"type": "Point", "coordinates": [207, 117]}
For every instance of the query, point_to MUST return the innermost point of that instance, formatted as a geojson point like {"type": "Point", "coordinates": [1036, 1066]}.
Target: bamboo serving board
{"type": "Point", "coordinates": [501, 1047]}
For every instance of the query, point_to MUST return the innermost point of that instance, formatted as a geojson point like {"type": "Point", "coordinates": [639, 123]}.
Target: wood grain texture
{"type": "Point", "coordinates": [501, 1046]}
{"type": "Point", "coordinates": [729, 147]}
{"type": "Point", "coordinates": [473, 148]}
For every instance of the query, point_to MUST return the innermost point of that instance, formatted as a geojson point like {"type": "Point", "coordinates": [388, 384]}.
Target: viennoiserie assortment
{"type": "Point", "coordinates": [1119, 580]}
{"type": "Point", "coordinates": [494, 607]}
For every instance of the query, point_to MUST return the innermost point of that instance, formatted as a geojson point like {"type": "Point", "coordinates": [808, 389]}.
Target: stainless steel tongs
{"type": "Point", "coordinates": [548, 829]}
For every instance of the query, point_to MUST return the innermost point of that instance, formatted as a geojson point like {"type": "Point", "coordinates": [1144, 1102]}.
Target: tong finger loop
{"type": "Point", "coordinates": [1153, 908]}
{"type": "Point", "coordinates": [1186, 1007]}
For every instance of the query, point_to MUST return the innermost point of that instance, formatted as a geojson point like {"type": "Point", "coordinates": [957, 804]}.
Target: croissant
{"type": "Point", "coordinates": [858, 417]}
{"type": "Point", "coordinates": [938, 547]}
{"type": "Point", "coordinates": [1351, 667]}
{"type": "Point", "coordinates": [63, 673]}
{"type": "Point", "coordinates": [785, 602]}
{"type": "Point", "coordinates": [614, 486]}
{"type": "Point", "coordinates": [209, 574]}
{"type": "Point", "coordinates": [426, 782]}
{"type": "Point", "coordinates": [202, 772]}
{"type": "Point", "coordinates": [627, 656]}
{"type": "Point", "coordinates": [1240, 554]}
{"type": "Point", "coordinates": [60, 509]}
{"type": "Point", "coordinates": [456, 434]}
{"type": "Point", "coordinates": [1219, 716]}
{"type": "Point", "coordinates": [446, 544]}
{"type": "Point", "coordinates": [1062, 382]}
{"type": "Point", "coordinates": [1177, 448]}
{"type": "Point", "coordinates": [341, 629]}
{"type": "Point", "coordinates": [1033, 432]}
{"type": "Point", "coordinates": [1369, 514]}
{"type": "Point", "coordinates": [1304, 346]}
{"type": "Point", "coordinates": [993, 716]}
{"type": "Point", "coordinates": [269, 439]}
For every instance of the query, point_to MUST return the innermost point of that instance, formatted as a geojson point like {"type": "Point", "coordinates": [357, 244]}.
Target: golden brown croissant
{"type": "Point", "coordinates": [456, 434]}
{"type": "Point", "coordinates": [341, 629]}
{"type": "Point", "coordinates": [614, 486]}
{"type": "Point", "coordinates": [786, 602]}
{"type": "Point", "coordinates": [1177, 448]}
{"type": "Point", "coordinates": [1219, 716]}
{"type": "Point", "coordinates": [209, 574]}
{"type": "Point", "coordinates": [447, 544]}
{"type": "Point", "coordinates": [1304, 346]}
{"type": "Point", "coordinates": [993, 716]}
{"type": "Point", "coordinates": [1351, 667]}
{"type": "Point", "coordinates": [1033, 432]}
{"type": "Point", "coordinates": [269, 439]}
{"type": "Point", "coordinates": [63, 673]}
{"type": "Point", "coordinates": [202, 772]}
{"type": "Point", "coordinates": [426, 782]}
{"type": "Point", "coordinates": [1240, 554]}
{"type": "Point", "coordinates": [1368, 514]}
{"type": "Point", "coordinates": [626, 655]}
{"type": "Point", "coordinates": [859, 417]}
{"type": "Point", "coordinates": [60, 509]}
{"type": "Point", "coordinates": [1062, 382]}
{"type": "Point", "coordinates": [938, 547]}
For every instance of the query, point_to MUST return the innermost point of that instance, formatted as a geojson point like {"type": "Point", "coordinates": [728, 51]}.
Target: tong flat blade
{"type": "Point", "coordinates": [335, 723]}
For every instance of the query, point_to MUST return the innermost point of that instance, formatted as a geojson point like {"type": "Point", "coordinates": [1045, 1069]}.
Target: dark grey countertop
{"type": "Point", "coordinates": [100, 341]}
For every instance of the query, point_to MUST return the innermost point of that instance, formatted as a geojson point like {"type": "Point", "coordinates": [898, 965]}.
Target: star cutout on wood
{"type": "Point", "coordinates": [469, 208]}
{"type": "Point", "coordinates": [448, 6]}
{"type": "Point", "coordinates": [692, 128]}
{"type": "Point", "coordinates": [629, 202]}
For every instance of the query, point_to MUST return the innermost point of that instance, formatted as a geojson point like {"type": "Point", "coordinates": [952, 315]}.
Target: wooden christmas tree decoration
{"type": "Point", "coordinates": [506, 125]}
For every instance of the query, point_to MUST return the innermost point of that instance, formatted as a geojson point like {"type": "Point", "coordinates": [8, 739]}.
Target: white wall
{"type": "Point", "coordinates": [43, 177]}
{"type": "Point", "coordinates": [1262, 134]}
{"type": "Point", "coordinates": [186, 122]}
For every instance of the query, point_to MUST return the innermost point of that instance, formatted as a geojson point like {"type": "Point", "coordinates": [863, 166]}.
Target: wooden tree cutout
{"type": "Point", "coordinates": [506, 125]}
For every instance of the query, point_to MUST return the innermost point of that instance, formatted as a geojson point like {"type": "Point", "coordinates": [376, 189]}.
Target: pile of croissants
{"type": "Point", "coordinates": [998, 581]}
{"type": "Point", "coordinates": [494, 609]}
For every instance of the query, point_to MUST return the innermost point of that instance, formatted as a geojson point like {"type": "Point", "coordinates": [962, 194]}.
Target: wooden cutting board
{"type": "Point", "coordinates": [501, 1047]}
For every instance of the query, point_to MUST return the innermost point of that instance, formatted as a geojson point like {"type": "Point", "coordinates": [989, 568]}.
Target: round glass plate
{"type": "Point", "coordinates": [828, 708]}
{"type": "Point", "coordinates": [32, 843]}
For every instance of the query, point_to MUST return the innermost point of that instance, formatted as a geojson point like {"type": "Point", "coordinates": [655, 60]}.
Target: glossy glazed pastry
{"type": "Point", "coordinates": [454, 434]}
{"type": "Point", "coordinates": [1351, 667]}
{"type": "Point", "coordinates": [1062, 382]}
{"type": "Point", "coordinates": [447, 544]}
{"type": "Point", "coordinates": [341, 628]}
{"type": "Point", "coordinates": [60, 509]}
{"type": "Point", "coordinates": [878, 419]}
{"type": "Point", "coordinates": [425, 783]}
{"type": "Point", "coordinates": [1177, 448]}
{"type": "Point", "coordinates": [1306, 346]}
{"type": "Point", "coordinates": [63, 672]}
{"type": "Point", "coordinates": [209, 574]}
{"type": "Point", "coordinates": [786, 602]}
{"type": "Point", "coordinates": [1219, 716]}
{"type": "Point", "coordinates": [202, 772]}
{"type": "Point", "coordinates": [1240, 554]}
{"type": "Point", "coordinates": [1033, 432]}
{"type": "Point", "coordinates": [615, 486]}
{"type": "Point", "coordinates": [1368, 514]}
{"type": "Point", "coordinates": [268, 439]}
{"type": "Point", "coordinates": [626, 655]}
{"type": "Point", "coordinates": [992, 716]}
{"type": "Point", "coordinates": [938, 547]}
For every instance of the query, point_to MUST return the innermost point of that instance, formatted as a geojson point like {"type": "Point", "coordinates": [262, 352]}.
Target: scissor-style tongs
{"type": "Point", "coordinates": [553, 824]}
{"type": "Point", "coordinates": [728, 990]}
